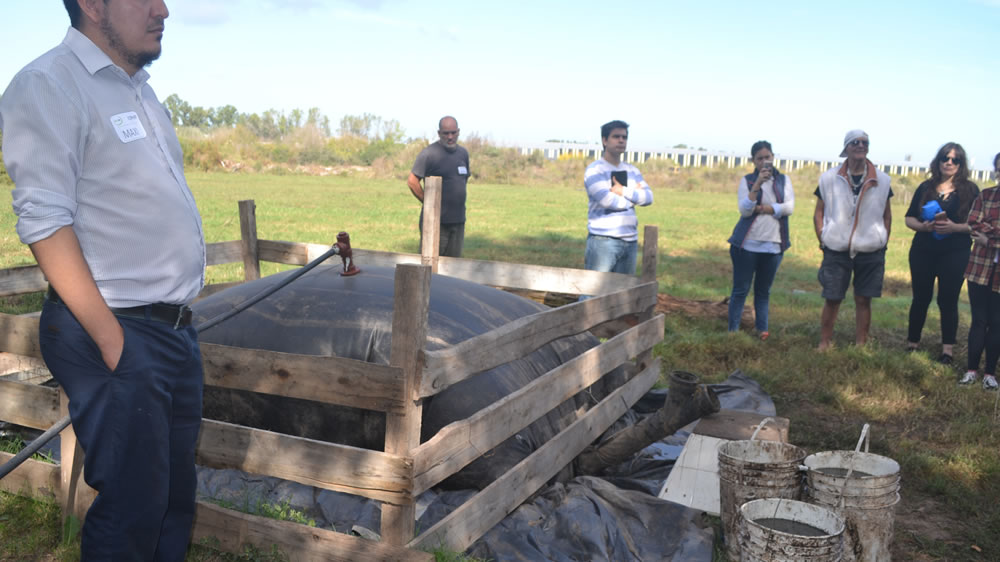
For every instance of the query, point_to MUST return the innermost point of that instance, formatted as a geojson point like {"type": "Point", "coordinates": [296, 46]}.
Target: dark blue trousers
{"type": "Point", "coordinates": [137, 426]}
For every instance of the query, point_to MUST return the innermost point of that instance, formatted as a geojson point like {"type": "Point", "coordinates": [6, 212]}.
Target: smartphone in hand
{"type": "Point", "coordinates": [621, 176]}
{"type": "Point", "coordinates": [940, 216]}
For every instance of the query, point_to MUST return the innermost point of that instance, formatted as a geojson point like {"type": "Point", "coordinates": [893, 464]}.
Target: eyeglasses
{"type": "Point", "coordinates": [953, 160]}
{"type": "Point", "coordinates": [858, 142]}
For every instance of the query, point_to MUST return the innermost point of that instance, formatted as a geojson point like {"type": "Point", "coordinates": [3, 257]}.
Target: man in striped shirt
{"type": "Point", "coordinates": [614, 188]}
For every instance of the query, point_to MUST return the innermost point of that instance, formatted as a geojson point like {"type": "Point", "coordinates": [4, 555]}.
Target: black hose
{"type": "Point", "coordinates": [266, 292]}
{"type": "Point", "coordinates": [33, 448]}
{"type": "Point", "coordinates": [44, 438]}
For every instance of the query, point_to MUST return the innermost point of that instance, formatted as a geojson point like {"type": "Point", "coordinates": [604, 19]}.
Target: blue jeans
{"type": "Point", "coordinates": [760, 268]}
{"type": "Point", "coordinates": [614, 255]}
{"type": "Point", "coordinates": [137, 426]}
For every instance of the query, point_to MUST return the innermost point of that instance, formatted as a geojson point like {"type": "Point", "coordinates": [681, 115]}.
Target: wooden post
{"type": "Point", "coordinates": [650, 247]}
{"type": "Point", "coordinates": [402, 431]}
{"type": "Point", "coordinates": [248, 237]}
{"type": "Point", "coordinates": [431, 228]}
{"type": "Point", "coordinates": [650, 251]}
{"type": "Point", "coordinates": [71, 482]}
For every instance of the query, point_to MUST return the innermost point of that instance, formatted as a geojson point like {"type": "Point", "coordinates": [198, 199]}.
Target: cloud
{"type": "Point", "coordinates": [373, 5]}
{"type": "Point", "coordinates": [203, 12]}
{"type": "Point", "coordinates": [418, 29]}
{"type": "Point", "coordinates": [296, 5]}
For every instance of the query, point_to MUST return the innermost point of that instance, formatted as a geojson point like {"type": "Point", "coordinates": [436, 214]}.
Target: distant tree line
{"type": "Point", "coordinates": [273, 124]}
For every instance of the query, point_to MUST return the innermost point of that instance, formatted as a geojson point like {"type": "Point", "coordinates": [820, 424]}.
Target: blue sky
{"type": "Point", "coordinates": [714, 74]}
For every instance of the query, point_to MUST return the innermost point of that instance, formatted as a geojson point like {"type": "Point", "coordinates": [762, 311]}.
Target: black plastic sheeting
{"type": "Point", "coordinates": [613, 517]}
{"type": "Point", "coordinates": [618, 517]}
{"type": "Point", "coordinates": [324, 313]}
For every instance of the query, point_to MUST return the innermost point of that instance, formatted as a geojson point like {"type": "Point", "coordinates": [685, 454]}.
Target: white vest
{"type": "Point", "coordinates": [854, 224]}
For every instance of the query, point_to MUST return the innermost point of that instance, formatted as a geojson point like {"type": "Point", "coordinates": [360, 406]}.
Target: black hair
{"type": "Point", "coordinates": [73, 9]}
{"type": "Point", "coordinates": [759, 145]}
{"type": "Point", "coordinates": [965, 189]}
{"type": "Point", "coordinates": [996, 160]}
{"type": "Point", "coordinates": [611, 126]}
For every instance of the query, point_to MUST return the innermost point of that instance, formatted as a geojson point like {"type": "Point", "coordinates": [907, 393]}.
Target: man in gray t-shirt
{"type": "Point", "coordinates": [446, 159]}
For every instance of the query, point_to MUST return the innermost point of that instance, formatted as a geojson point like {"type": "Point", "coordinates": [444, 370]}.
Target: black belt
{"type": "Point", "coordinates": [177, 315]}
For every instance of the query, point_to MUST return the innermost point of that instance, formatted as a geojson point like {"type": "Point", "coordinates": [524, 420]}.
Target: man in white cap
{"type": "Point", "coordinates": [852, 222]}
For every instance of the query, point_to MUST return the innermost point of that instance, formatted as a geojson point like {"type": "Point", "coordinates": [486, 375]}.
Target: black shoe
{"type": "Point", "coordinates": [945, 359]}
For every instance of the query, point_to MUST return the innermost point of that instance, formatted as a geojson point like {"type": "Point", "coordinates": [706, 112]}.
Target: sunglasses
{"type": "Point", "coordinates": [955, 161]}
{"type": "Point", "coordinates": [858, 142]}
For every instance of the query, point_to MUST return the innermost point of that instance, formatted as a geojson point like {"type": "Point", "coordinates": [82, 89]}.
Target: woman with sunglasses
{"type": "Point", "coordinates": [765, 199]}
{"type": "Point", "coordinates": [984, 284]}
{"type": "Point", "coordinates": [939, 214]}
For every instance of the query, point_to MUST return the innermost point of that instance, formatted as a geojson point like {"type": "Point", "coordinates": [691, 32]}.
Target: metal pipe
{"type": "Point", "coordinates": [33, 448]}
{"type": "Point", "coordinates": [342, 248]}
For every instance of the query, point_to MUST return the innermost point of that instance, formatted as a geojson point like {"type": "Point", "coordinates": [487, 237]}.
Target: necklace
{"type": "Point", "coordinates": [856, 184]}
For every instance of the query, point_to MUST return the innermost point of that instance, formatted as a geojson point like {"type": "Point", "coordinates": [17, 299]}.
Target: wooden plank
{"type": "Point", "coordinates": [230, 530]}
{"type": "Point", "coordinates": [517, 339]}
{"type": "Point", "coordinates": [494, 273]}
{"type": "Point", "coordinates": [411, 302]}
{"type": "Point", "coordinates": [28, 404]}
{"type": "Point", "coordinates": [75, 495]}
{"type": "Point", "coordinates": [371, 474]}
{"type": "Point", "coordinates": [460, 443]}
{"type": "Point", "coordinates": [248, 240]}
{"type": "Point", "coordinates": [650, 248]}
{"type": "Point", "coordinates": [218, 253]}
{"type": "Point", "coordinates": [19, 334]}
{"type": "Point", "coordinates": [279, 251]}
{"type": "Point", "coordinates": [384, 259]}
{"type": "Point", "coordinates": [291, 253]}
{"type": "Point", "coordinates": [19, 280]}
{"type": "Point", "coordinates": [478, 515]}
{"type": "Point", "coordinates": [536, 277]}
{"type": "Point", "coordinates": [33, 478]}
{"type": "Point", "coordinates": [14, 363]}
{"type": "Point", "coordinates": [650, 251]}
{"type": "Point", "coordinates": [334, 380]}
{"type": "Point", "coordinates": [430, 238]}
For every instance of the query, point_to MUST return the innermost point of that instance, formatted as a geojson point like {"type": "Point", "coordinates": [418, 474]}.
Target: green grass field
{"type": "Point", "coordinates": [945, 437]}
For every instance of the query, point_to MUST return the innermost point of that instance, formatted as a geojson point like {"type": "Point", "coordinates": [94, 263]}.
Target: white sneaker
{"type": "Point", "coordinates": [968, 378]}
{"type": "Point", "coordinates": [989, 382]}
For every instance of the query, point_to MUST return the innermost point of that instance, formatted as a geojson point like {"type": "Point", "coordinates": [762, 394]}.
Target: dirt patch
{"type": "Point", "coordinates": [921, 519]}
{"type": "Point", "coordinates": [701, 309]}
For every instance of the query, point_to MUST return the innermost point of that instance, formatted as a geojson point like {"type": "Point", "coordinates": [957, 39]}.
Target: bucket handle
{"type": "Point", "coordinates": [761, 426]}
{"type": "Point", "coordinates": [866, 439]}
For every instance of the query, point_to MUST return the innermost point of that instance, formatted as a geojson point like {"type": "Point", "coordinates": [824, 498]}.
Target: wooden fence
{"type": "Point", "coordinates": [407, 467]}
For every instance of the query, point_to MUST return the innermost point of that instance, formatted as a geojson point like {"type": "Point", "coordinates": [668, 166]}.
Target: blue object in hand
{"type": "Point", "coordinates": [929, 210]}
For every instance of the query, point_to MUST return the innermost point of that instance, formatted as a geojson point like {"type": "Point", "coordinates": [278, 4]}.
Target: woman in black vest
{"type": "Point", "coordinates": [760, 238]}
{"type": "Point", "coordinates": [939, 214]}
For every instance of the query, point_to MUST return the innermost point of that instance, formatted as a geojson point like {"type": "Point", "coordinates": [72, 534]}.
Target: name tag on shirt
{"type": "Point", "coordinates": [128, 126]}
{"type": "Point", "coordinates": [462, 171]}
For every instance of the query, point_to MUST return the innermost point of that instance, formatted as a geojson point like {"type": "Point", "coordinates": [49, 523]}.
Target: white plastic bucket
{"type": "Point", "coordinates": [782, 530]}
{"type": "Point", "coordinates": [866, 501]}
{"type": "Point", "coordinates": [751, 470]}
